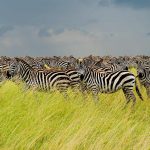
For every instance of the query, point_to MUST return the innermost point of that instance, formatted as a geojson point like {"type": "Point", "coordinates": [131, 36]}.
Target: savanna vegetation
{"type": "Point", "coordinates": [32, 120]}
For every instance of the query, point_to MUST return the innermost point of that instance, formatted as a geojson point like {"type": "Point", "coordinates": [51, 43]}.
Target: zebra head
{"type": "Point", "coordinates": [13, 69]}
{"type": "Point", "coordinates": [144, 73]}
{"type": "Point", "coordinates": [79, 63]}
{"type": "Point", "coordinates": [121, 62]}
{"type": "Point", "coordinates": [80, 67]}
{"type": "Point", "coordinates": [84, 62]}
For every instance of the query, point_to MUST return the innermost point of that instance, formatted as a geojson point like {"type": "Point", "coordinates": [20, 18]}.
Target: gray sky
{"type": "Point", "coordinates": [77, 27]}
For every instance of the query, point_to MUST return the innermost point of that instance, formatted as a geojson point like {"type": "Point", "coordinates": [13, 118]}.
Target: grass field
{"type": "Point", "coordinates": [46, 121]}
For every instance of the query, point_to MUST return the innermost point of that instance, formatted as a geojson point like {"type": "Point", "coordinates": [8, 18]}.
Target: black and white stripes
{"type": "Point", "coordinates": [143, 72]}
{"type": "Point", "coordinates": [57, 63]}
{"type": "Point", "coordinates": [106, 77]}
{"type": "Point", "coordinates": [110, 82]}
{"type": "Point", "coordinates": [44, 80]}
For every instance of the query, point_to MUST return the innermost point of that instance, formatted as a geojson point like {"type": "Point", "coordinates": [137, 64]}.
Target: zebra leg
{"type": "Point", "coordinates": [65, 95]}
{"type": "Point", "coordinates": [95, 93]}
{"type": "Point", "coordinates": [63, 91]}
{"type": "Point", "coordinates": [2, 79]}
{"type": "Point", "coordinates": [83, 88]}
{"type": "Point", "coordinates": [25, 88]}
{"type": "Point", "coordinates": [129, 95]}
{"type": "Point", "coordinates": [138, 91]}
{"type": "Point", "coordinates": [34, 90]}
{"type": "Point", "coordinates": [75, 89]}
{"type": "Point", "coordinates": [96, 99]}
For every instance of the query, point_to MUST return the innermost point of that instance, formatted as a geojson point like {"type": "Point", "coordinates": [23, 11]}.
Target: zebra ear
{"type": "Point", "coordinates": [72, 59]}
{"type": "Point", "coordinates": [56, 57]}
{"type": "Point", "coordinates": [88, 62]}
{"type": "Point", "coordinates": [98, 63]}
{"type": "Point", "coordinates": [77, 61]}
{"type": "Point", "coordinates": [17, 59]}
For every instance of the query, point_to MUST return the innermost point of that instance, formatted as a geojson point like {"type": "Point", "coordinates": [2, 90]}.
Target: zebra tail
{"type": "Point", "coordinates": [138, 91]}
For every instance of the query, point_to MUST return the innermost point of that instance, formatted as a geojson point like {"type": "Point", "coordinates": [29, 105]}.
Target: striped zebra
{"type": "Point", "coordinates": [109, 68]}
{"type": "Point", "coordinates": [56, 63]}
{"type": "Point", "coordinates": [32, 62]}
{"type": "Point", "coordinates": [4, 72]}
{"type": "Point", "coordinates": [73, 74]}
{"type": "Point", "coordinates": [135, 62]}
{"type": "Point", "coordinates": [143, 73]}
{"type": "Point", "coordinates": [110, 83]}
{"type": "Point", "coordinates": [44, 80]}
{"type": "Point", "coordinates": [100, 66]}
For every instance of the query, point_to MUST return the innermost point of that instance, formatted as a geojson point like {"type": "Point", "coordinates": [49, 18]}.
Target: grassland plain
{"type": "Point", "coordinates": [46, 121]}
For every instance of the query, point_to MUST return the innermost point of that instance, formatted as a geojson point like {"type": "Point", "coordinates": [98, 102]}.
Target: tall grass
{"type": "Point", "coordinates": [46, 121]}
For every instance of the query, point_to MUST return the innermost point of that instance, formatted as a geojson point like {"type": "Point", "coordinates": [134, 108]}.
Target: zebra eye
{"type": "Point", "coordinates": [140, 74]}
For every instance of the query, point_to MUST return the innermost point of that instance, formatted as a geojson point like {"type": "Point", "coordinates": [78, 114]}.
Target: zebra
{"type": "Point", "coordinates": [32, 62]}
{"type": "Point", "coordinates": [73, 74]}
{"type": "Point", "coordinates": [4, 72]}
{"type": "Point", "coordinates": [99, 66]}
{"type": "Point", "coordinates": [43, 80]}
{"type": "Point", "coordinates": [57, 63]}
{"type": "Point", "coordinates": [110, 83]}
{"type": "Point", "coordinates": [109, 67]}
{"type": "Point", "coordinates": [143, 74]}
{"type": "Point", "coordinates": [135, 62]}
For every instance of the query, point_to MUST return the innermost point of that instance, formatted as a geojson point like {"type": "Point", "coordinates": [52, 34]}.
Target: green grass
{"type": "Point", "coordinates": [46, 121]}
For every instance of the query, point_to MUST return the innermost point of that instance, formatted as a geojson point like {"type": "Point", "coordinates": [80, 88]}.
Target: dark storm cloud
{"type": "Point", "coordinates": [133, 3]}
{"type": "Point", "coordinates": [54, 13]}
{"type": "Point", "coordinates": [148, 34]}
{"type": "Point", "coordinates": [79, 27]}
{"type": "Point", "coordinates": [27, 11]}
{"type": "Point", "coordinates": [136, 4]}
{"type": "Point", "coordinates": [104, 3]}
{"type": "Point", "coordinates": [5, 29]}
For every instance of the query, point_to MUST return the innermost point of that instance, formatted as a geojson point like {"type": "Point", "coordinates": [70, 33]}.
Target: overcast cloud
{"type": "Point", "coordinates": [74, 27]}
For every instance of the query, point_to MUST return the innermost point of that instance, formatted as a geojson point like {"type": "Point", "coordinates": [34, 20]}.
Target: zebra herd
{"type": "Point", "coordinates": [89, 74]}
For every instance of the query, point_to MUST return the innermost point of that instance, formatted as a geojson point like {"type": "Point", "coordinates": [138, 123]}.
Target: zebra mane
{"type": "Point", "coordinates": [24, 62]}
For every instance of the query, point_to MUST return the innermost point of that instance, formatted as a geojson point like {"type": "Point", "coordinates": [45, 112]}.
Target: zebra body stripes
{"type": "Point", "coordinates": [56, 63]}
{"type": "Point", "coordinates": [3, 71]}
{"type": "Point", "coordinates": [110, 82]}
{"type": "Point", "coordinates": [73, 74]}
{"type": "Point", "coordinates": [45, 80]}
{"type": "Point", "coordinates": [75, 78]}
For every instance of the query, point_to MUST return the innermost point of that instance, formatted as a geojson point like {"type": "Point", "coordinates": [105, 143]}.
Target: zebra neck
{"type": "Point", "coordinates": [26, 73]}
